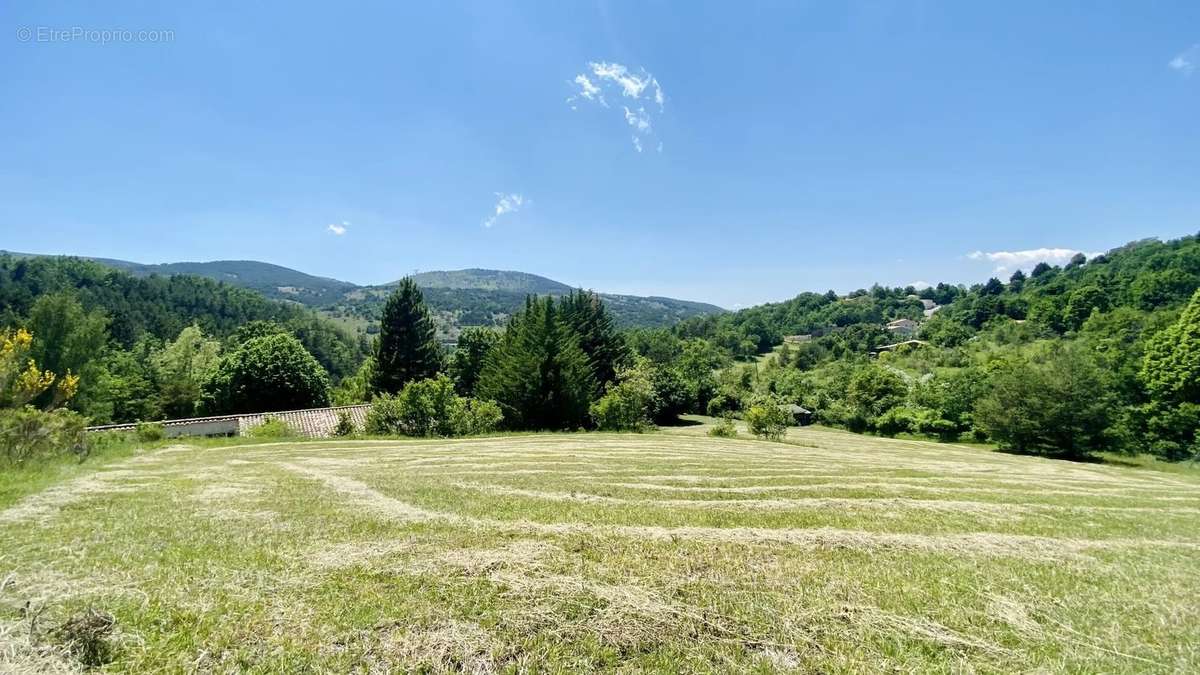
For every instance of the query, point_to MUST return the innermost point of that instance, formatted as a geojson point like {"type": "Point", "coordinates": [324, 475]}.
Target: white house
{"type": "Point", "coordinates": [902, 327]}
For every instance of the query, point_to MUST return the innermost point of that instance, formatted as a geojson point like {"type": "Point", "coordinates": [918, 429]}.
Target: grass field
{"type": "Point", "coordinates": [669, 551]}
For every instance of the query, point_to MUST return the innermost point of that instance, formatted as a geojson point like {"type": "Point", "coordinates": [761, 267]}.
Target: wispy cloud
{"type": "Point", "coordinates": [618, 80]}
{"type": "Point", "coordinates": [338, 228]}
{"type": "Point", "coordinates": [1185, 62]}
{"type": "Point", "coordinates": [1014, 260]}
{"type": "Point", "coordinates": [505, 203]}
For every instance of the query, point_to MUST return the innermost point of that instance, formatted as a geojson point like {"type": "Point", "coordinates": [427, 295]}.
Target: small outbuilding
{"type": "Point", "coordinates": [801, 417]}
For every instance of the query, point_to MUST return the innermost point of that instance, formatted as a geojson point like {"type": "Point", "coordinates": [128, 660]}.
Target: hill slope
{"type": "Point", "coordinates": [469, 297]}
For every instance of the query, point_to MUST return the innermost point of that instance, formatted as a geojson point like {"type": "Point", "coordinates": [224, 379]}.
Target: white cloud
{"type": "Point", "coordinates": [1013, 260]}
{"type": "Point", "coordinates": [338, 228]}
{"type": "Point", "coordinates": [1185, 62]}
{"type": "Point", "coordinates": [920, 285]}
{"type": "Point", "coordinates": [589, 91]}
{"type": "Point", "coordinates": [618, 79]}
{"type": "Point", "coordinates": [506, 203]}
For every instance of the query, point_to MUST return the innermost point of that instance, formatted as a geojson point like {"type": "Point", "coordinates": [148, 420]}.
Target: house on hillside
{"type": "Point", "coordinates": [801, 417]}
{"type": "Point", "coordinates": [910, 344]}
{"type": "Point", "coordinates": [797, 339]}
{"type": "Point", "coordinates": [902, 327]}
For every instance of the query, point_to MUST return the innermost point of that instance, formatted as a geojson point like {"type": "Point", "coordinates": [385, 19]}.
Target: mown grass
{"type": "Point", "coordinates": [667, 552]}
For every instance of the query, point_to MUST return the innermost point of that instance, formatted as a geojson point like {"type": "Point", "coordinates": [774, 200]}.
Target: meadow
{"type": "Point", "coordinates": [666, 551]}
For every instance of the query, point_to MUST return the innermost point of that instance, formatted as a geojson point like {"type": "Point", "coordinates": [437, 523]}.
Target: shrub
{"type": "Point", "coordinates": [384, 416]}
{"type": "Point", "coordinates": [345, 425]}
{"type": "Point", "coordinates": [272, 427]}
{"type": "Point", "coordinates": [722, 403]}
{"type": "Point", "coordinates": [1054, 403]}
{"type": "Point", "coordinates": [268, 373]}
{"type": "Point", "coordinates": [429, 408]}
{"type": "Point", "coordinates": [149, 432]}
{"type": "Point", "coordinates": [628, 405]}
{"type": "Point", "coordinates": [477, 417]}
{"type": "Point", "coordinates": [944, 429]}
{"type": "Point", "coordinates": [724, 429]}
{"type": "Point", "coordinates": [28, 434]}
{"type": "Point", "coordinates": [767, 420]}
{"type": "Point", "coordinates": [895, 421]}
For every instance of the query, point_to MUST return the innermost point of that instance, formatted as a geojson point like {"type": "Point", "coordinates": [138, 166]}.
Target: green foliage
{"type": "Point", "coordinates": [1081, 303]}
{"type": "Point", "coordinates": [629, 404]}
{"type": "Point", "coordinates": [266, 374]}
{"type": "Point", "coordinates": [896, 421]}
{"type": "Point", "coordinates": [1171, 369]}
{"type": "Point", "coordinates": [431, 408]}
{"type": "Point", "coordinates": [1053, 402]}
{"type": "Point", "coordinates": [30, 435]}
{"type": "Point", "coordinates": [407, 349]}
{"type": "Point", "coordinates": [474, 345]}
{"type": "Point", "coordinates": [474, 417]}
{"type": "Point", "coordinates": [537, 373]}
{"type": "Point", "coordinates": [723, 403]}
{"type": "Point", "coordinates": [150, 432]}
{"type": "Point", "coordinates": [585, 316]}
{"type": "Point", "coordinates": [345, 425]}
{"type": "Point", "coordinates": [767, 419]}
{"type": "Point", "coordinates": [181, 367]}
{"type": "Point", "coordinates": [159, 307]}
{"type": "Point", "coordinates": [724, 429]}
{"type": "Point", "coordinates": [272, 427]}
{"type": "Point", "coordinates": [1171, 373]}
{"type": "Point", "coordinates": [356, 389]}
{"type": "Point", "coordinates": [876, 389]}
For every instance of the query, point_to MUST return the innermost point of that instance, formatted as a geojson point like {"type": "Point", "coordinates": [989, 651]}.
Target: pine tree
{"type": "Point", "coordinates": [407, 349]}
{"type": "Point", "coordinates": [586, 316]}
{"type": "Point", "coordinates": [538, 374]}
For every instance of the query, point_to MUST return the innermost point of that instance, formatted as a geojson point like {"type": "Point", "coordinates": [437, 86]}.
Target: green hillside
{"type": "Point", "coordinates": [469, 297]}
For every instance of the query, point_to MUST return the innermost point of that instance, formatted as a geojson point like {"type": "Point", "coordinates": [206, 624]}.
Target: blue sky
{"type": "Point", "coordinates": [804, 146]}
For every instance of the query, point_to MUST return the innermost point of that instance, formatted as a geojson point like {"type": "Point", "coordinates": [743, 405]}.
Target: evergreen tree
{"type": "Point", "coordinates": [538, 374]}
{"type": "Point", "coordinates": [474, 344]}
{"type": "Point", "coordinates": [407, 349]}
{"type": "Point", "coordinates": [605, 348]}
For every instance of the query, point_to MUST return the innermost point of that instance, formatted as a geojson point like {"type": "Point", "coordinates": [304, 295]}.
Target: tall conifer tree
{"type": "Point", "coordinates": [585, 314]}
{"type": "Point", "coordinates": [538, 374]}
{"type": "Point", "coordinates": [407, 349]}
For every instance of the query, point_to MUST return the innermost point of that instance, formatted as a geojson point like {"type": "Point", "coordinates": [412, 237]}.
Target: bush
{"type": "Point", "coordinates": [722, 403]}
{"type": "Point", "coordinates": [629, 404]}
{"type": "Point", "coordinates": [345, 425]}
{"type": "Point", "coordinates": [265, 374]}
{"type": "Point", "coordinates": [477, 417]}
{"type": "Point", "coordinates": [384, 416]}
{"type": "Point", "coordinates": [430, 408]}
{"type": "Point", "coordinates": [767, 420]}
{"type": "Point", "coordinates": [273, 427]}
{"type": "Point", "coordinates": [895, 421]}
{"type": "Point", "coordinates": [28, 434]}
{"type": "Point", "coordinates": [724, 429]}
{"type": "Point", "coordinates": [944, 429]}
{"type": "Point", "coordinates": [1053, 403]}
{"type": "Point", "coordinates": [149, 432]}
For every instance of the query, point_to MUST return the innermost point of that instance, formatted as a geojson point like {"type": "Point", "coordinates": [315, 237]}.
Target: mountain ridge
{"type": "Point", "coordinates": [471, 296]}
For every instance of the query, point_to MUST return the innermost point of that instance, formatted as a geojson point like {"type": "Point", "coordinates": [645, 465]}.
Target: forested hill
{"type": "Point", "coordinates": [159, 307]}
{"type": "Point", "coordinates": [491, 280]}
{"type": "Point", "coordinates": [1098, 354]}
{"type": "Point", "coordinates": [1145, 276]}
{"type": "Point", "coordinates": [469, 297]}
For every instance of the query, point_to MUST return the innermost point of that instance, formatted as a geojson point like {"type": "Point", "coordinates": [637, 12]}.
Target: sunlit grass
{"type": "Point", "coordinates": [669, 551]}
